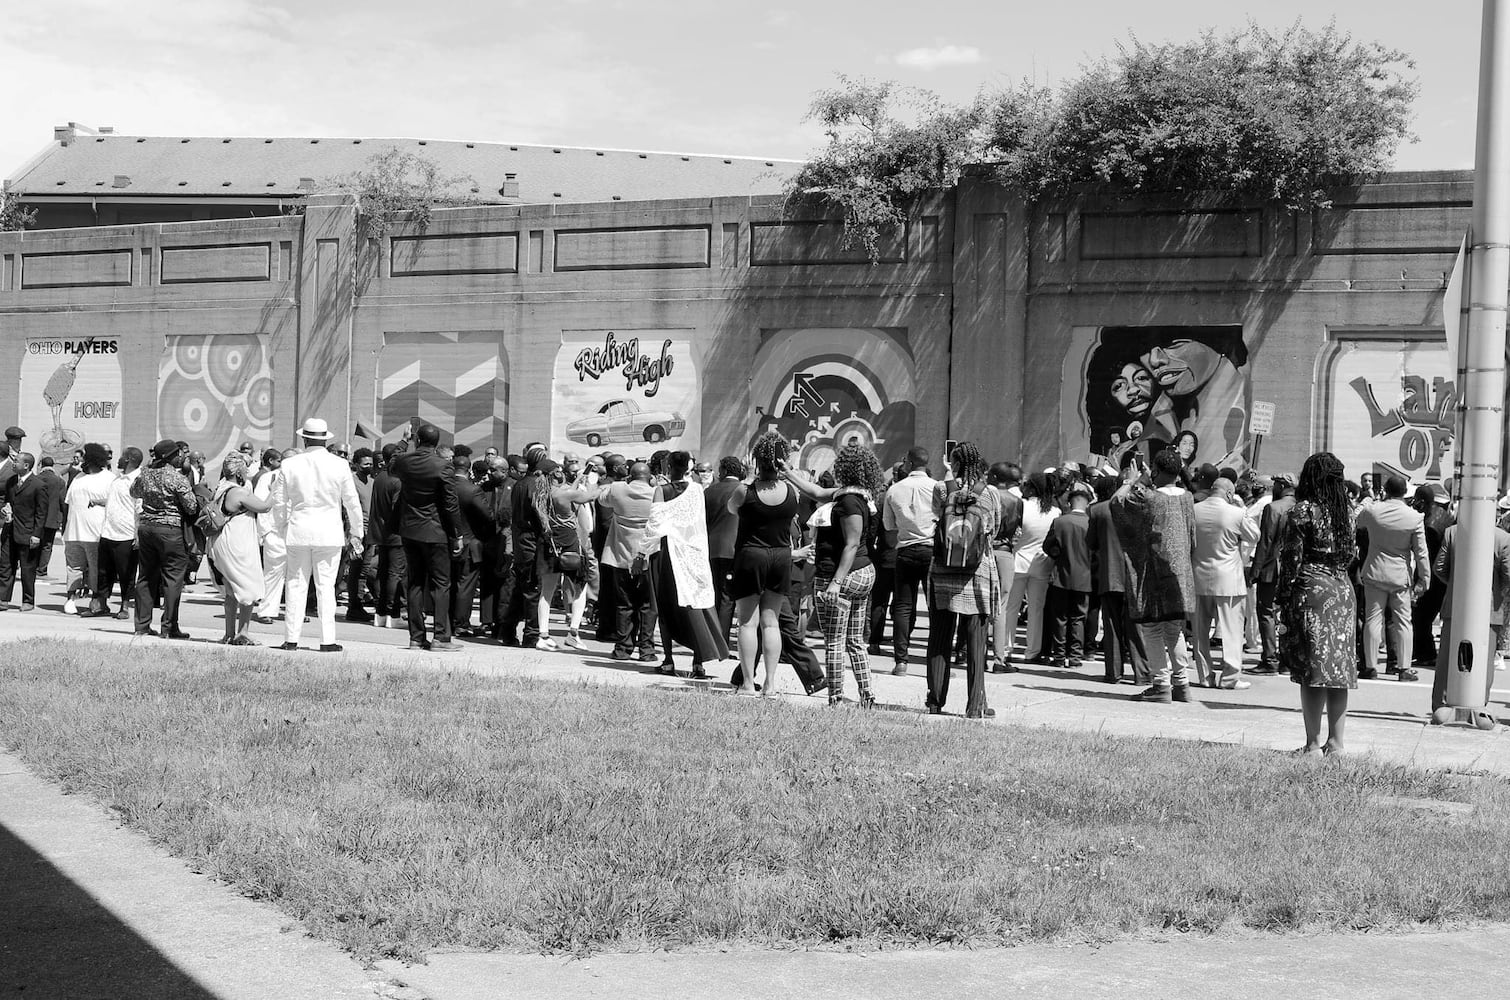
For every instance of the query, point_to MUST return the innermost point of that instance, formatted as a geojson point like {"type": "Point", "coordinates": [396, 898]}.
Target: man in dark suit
{"type": "Point", "coordinates": [525, 593]}
{"type": "Point", "coordinates": [8, 475]}
{"type": "Point", "coordinates": [383, 536]}
{"type": "Point", "coordinates": [430, 525]}
{"type": "Point", "coordinates": [1271, 532]}
{"type": "Point", "coordinates": [497, 554]}
{"type": "Point", "coordinates": [1121, 643]}
{"type": "Point", "coordinates": [1432, 501]}
{"type": "Point", "coordinates": [723, 525]}
{"type": "Point", "coordinates": [56, 516]}
{"type": "Point", "coordinates": [477, 534]}
{"type": "Point", "coordinates": [26, 497]}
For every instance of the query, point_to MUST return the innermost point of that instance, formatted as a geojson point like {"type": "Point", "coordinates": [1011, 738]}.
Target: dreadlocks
{"type": "Point", "coordinates": [968, 464]}
{"type": "Point", "coordinates": [1323, 482]}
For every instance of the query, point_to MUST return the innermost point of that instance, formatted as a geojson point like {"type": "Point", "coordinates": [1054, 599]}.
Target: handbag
{"type": "Point", "coordinates": [571, 562]}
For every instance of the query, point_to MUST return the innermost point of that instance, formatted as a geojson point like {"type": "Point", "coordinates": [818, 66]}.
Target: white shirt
{"type": "Point", "coordinates": [909, 509]}
{"type": "Point", "coordinates": [308, 496]}
{"type": "Point", "coordinates": [263, 490]}
{"type": "Point", "coordinates": [84, 519]}
{"type": "Point", "coordinates": [1031, 560]}
{"type": "Point", "coordinates": [1256, 512]}
{"type": "Point", "coordinates": [120, 509]}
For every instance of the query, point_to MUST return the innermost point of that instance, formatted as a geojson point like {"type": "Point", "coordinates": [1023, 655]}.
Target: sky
{"type": "Point", "coordinates": [727, 77]}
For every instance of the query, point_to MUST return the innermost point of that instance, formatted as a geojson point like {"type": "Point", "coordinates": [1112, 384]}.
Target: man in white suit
{"type": "Point", "coordinates": [308, 496]}
{"type": "Point", "coordinates": [1222, 527]}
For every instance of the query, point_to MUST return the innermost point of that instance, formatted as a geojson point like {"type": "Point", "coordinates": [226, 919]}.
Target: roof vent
{"type": "Point", "coordinates": [306, 183]}
{"type": "Point", "coordinates": [510, 187]}
{"type": "Point", "coordinates": [121, 181]}
{"type": "Point", "coordinates": [106, 130]}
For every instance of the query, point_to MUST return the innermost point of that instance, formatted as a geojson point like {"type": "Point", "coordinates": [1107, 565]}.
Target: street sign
{"type": "Point", "coordinates": [1261, 419]}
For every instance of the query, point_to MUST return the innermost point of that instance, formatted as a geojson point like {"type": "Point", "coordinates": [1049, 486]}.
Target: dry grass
{"type": "Point", "coordinates": [398, 811]}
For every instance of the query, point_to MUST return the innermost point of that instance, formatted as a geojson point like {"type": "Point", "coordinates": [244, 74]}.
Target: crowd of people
{"type": "Point", "coordinates": [1173, 572]}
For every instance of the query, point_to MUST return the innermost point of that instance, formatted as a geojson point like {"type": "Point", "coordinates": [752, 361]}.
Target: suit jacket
{"type": "Point", "coordinates": [1105, 549]}
{"type": "Point", "coordinates": [723, 524]}
{"type": "Point", "coordinates": [1271, 532]}
{"type": "Point", "coordinates": [55, 493]}
{"type": "Point", "coordinates": [1442, 567]}
{"type": "Point", "coordinates": [1437, 519]}
{"type": "Point", "coordinates": [630, 502]}
{"type": "Point", "coordinates": [1066, 544]}
{"type": "Point", "coordinates": [1397, 555]}
{"type": "Point", "coordinates": [1221, 529]}
{"type": "Point", "coordinates": [28, 508]}
{"type": "Point", "coordinates": [478, 528]}
{"type": "Point", "coordinates": [428, 508]}
{"type": "Point", "coordinates": [313, 489]}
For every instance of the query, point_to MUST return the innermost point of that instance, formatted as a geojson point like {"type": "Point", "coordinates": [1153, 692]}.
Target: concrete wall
{"type": "Point", "coordinates": [700, 322]}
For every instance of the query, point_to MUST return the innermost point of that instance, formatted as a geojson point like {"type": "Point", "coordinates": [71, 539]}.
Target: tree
{"type": "Point", "coordinates": [886, 145]}
{"type": "Point", "coordinates": [400, 185]}
{"type": "Point", "coordinates": [1251, 115]}
{"type": "Point", "coordinates": [13, 215]}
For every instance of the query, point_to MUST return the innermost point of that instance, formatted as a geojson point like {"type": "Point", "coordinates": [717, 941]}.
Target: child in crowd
{"type": "Point", "coordinates": [1069, 579]}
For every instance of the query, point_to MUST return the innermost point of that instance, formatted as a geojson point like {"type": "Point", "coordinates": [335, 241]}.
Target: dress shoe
{"type": "Point", "coordinates": [1156, 694]}
{"type": "Point", "coordinates": [619, 654]}
{"type": "Point", "coordinates": [145, 631]}
{"type": "Point", "coordinates": [875, 650]}
{"type": "Point", "coordinates": [331, 647]}
{"type": "Point", "coordinates": [1004, 667]}
{"type": "Point", "coordinates": [419, 645]}
{"type": "Point", "coordinates": [985, 713]}
{"type": "Point", "coordinates": [648, 657]}
{"type": "Point", "coordinates": [289, 646]}
{"type": "Point", "coordinates": [900, 670]}
{"type": "Point", "coordinates": [176, 634]}
{"type": "Point", "coordinates": [28, 607]}
{"type": "Point", "coordinates": [1367, 674]}
{"type": "Point", "coordinates": [123, 615]}
{"type": "Point", "coordinates": [444, 647]}
{"type": "Point", "coordinates": [360, 619]}
{"type": "Point", "coordinates": [1407, 675]}
{"type": "Point", "coordinates": [698, 673]}
{"type": "Point", "coordinates": [1235, 685]}
{"type": "Point", "coordinates": [1179, 692]}
{"type": "Point", "coordinates": [1264, 670]}
{"type": "Point", "coordinates": [264, 619]}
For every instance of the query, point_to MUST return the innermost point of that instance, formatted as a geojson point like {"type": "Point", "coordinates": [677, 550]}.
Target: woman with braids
{"type": "Point", "coordinates": [963, 589]}
{"type": "Point", "coordinates": [842, 556]}
{"type": "Point", "coordinates": [1318, 612]}
{"type": "Point", "coordinates": [762, 560]}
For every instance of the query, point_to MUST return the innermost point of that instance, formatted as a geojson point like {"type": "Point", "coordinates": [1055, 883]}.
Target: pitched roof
{"type": "Point", "coordinates": [216, 166]}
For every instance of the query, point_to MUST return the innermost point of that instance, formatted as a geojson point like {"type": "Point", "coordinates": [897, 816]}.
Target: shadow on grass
{"type": "Point", "coordinates": [57, 942]}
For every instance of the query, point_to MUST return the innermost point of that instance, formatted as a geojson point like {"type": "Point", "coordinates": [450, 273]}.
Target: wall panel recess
{"type": "Point", "coordinates": [822, 242]}
{"type": "Point", "coordinates": [630, 249]}
{"type": "Point", "coordinates": [1157, 235]}
{"type": "Point", "coordinates": [1390, 228]}
{"type": "Point", "coordinates": [87, 268]}
{"type": "Point", "coordinates": [455, 253]}
{"type": "Point", "coordinates": [231, 262]}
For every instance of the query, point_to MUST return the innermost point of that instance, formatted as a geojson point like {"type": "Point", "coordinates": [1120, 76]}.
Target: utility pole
{"type": "Point", "coordinates": [1482, 394]}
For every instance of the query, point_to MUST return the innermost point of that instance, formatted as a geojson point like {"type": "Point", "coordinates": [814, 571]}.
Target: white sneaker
{"type": "Point", "coordinates": [547, 643]}
{"type": "Point", "coordinates": [573, 642]}
{"type": "Point", "coordinates": [70, 608]}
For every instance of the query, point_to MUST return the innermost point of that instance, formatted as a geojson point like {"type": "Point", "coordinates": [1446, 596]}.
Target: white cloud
{"type": "Point", "coordinates": [938, 56]}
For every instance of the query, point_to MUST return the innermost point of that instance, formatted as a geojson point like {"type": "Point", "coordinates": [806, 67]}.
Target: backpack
{"type": "Point", "coordinates": [212, 520]}
{"type": "Point", "coordinates": [960, 539]}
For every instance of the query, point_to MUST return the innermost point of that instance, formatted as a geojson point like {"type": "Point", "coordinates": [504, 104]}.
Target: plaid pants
{"type": "Point", "coordinates": [846, 623]}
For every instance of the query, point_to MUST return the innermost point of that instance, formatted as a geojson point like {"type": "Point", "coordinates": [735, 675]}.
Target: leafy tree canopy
{"type": "Point", "coordinates": [13, 215]}
{"type": "Point", "coordinates": [1284, 118]}
{"type": "Point", "coordinates": [395, 183]}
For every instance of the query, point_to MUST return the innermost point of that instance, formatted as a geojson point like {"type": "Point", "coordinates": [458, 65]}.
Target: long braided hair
{"type": "Point", "coordinates": [1323, 483]}
{"type": "Point", "coordinates": [969, 466]}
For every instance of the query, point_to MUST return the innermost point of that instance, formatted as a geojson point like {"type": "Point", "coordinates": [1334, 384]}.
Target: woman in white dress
{"type": "Point", "coordinates": [235, 552]}
{"type": "Point", "coordinates": [1030, 579]}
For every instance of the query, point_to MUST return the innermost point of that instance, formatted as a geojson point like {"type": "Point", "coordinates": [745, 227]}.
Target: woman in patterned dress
{"type": "Point", "coordinates": [1318, 611]}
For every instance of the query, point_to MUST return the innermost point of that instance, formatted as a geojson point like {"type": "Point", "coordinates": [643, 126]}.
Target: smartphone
{"type": "Point", "coordinates": [949, 445]}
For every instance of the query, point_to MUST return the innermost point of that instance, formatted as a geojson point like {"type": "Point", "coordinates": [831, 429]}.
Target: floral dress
{"type": "Point", "coordinates": [1318, 612]}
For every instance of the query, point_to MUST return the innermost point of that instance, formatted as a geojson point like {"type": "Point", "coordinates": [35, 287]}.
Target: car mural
{"type": "Point", "coordinates": [620, 421]}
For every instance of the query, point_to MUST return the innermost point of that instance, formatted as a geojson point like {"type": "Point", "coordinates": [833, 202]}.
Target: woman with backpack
{"type": "Point", "coordinates": [234, 549]}
{"type": "Point", "coordinates": [963, 588]}
{"type": "Point", "coordinates": [842, 555]}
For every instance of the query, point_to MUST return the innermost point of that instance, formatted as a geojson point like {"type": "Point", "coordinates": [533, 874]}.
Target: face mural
{"type": "Point", "coordinates": [825, 388]}
{"type": "Point", "coordinates": [1152, 387]}
{"type": "Point", "coordinates": [637, 390]}
{"type": "Point", "coordinates": [70, 395]}
{"type": "Point", "coordinates": [215, 392]}
{"type": "Point", "coordinates": [1387, 406]}
{"type": "Point", "coordinates": [457, 381]}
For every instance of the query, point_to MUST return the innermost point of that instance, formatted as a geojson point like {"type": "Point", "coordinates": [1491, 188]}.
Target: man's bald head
{"type": "Point", "coordinates": [639, 472]}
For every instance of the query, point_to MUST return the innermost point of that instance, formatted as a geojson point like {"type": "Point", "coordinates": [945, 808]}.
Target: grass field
{"type": "Point", "coordinates": [397, 811]}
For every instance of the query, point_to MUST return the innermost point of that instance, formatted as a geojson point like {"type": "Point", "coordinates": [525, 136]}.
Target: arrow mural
{"type": "Point", "coordinates": [457, 381]}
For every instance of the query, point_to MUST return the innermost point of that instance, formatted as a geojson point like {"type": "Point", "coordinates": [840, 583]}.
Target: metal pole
{"type": "Point", "coordinates": [1483, 394]}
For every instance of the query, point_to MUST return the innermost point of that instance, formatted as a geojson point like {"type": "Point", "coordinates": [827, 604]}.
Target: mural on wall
{"type": "Point", "coordinates": [1151, 387]}
{"type": "Point", "coordinates": [215, 392]}
{"type": "Point", "coordinates": [826, 388]}
{"type": "Point", "coordinates": [457, 381]}
{"type": "Point", "coordinates": [70, 395]}
{"type": "Point", "coordinates": [1387, 405]}
{"type": "Point", "coordinates": [633, 391]}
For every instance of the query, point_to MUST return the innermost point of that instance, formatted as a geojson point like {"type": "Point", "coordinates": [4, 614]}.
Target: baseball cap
{"type": "Point", "coordinates": [14, 432]}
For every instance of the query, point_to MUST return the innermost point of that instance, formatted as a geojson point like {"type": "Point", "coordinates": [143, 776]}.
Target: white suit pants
{"type": "Point", "coordinates": [274, 561]}
{"type": "Point", "coordinates": [304, 562]}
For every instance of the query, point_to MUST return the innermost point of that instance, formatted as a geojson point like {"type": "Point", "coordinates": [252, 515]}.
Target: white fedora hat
{"type": "Point", "coordinates": [315, 429]}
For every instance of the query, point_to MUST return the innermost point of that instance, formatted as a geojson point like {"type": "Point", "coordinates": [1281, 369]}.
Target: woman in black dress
{"type": "Point", "coordinates": [1318, 611]}
{"type": "Point", "coordinates": [695, 628]}
{"type": "Point", "coordinates": [762, 560]}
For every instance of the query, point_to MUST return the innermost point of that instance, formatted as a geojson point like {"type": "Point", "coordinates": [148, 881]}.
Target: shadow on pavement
{"type": "Point", "coordinates": [56, 942]}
